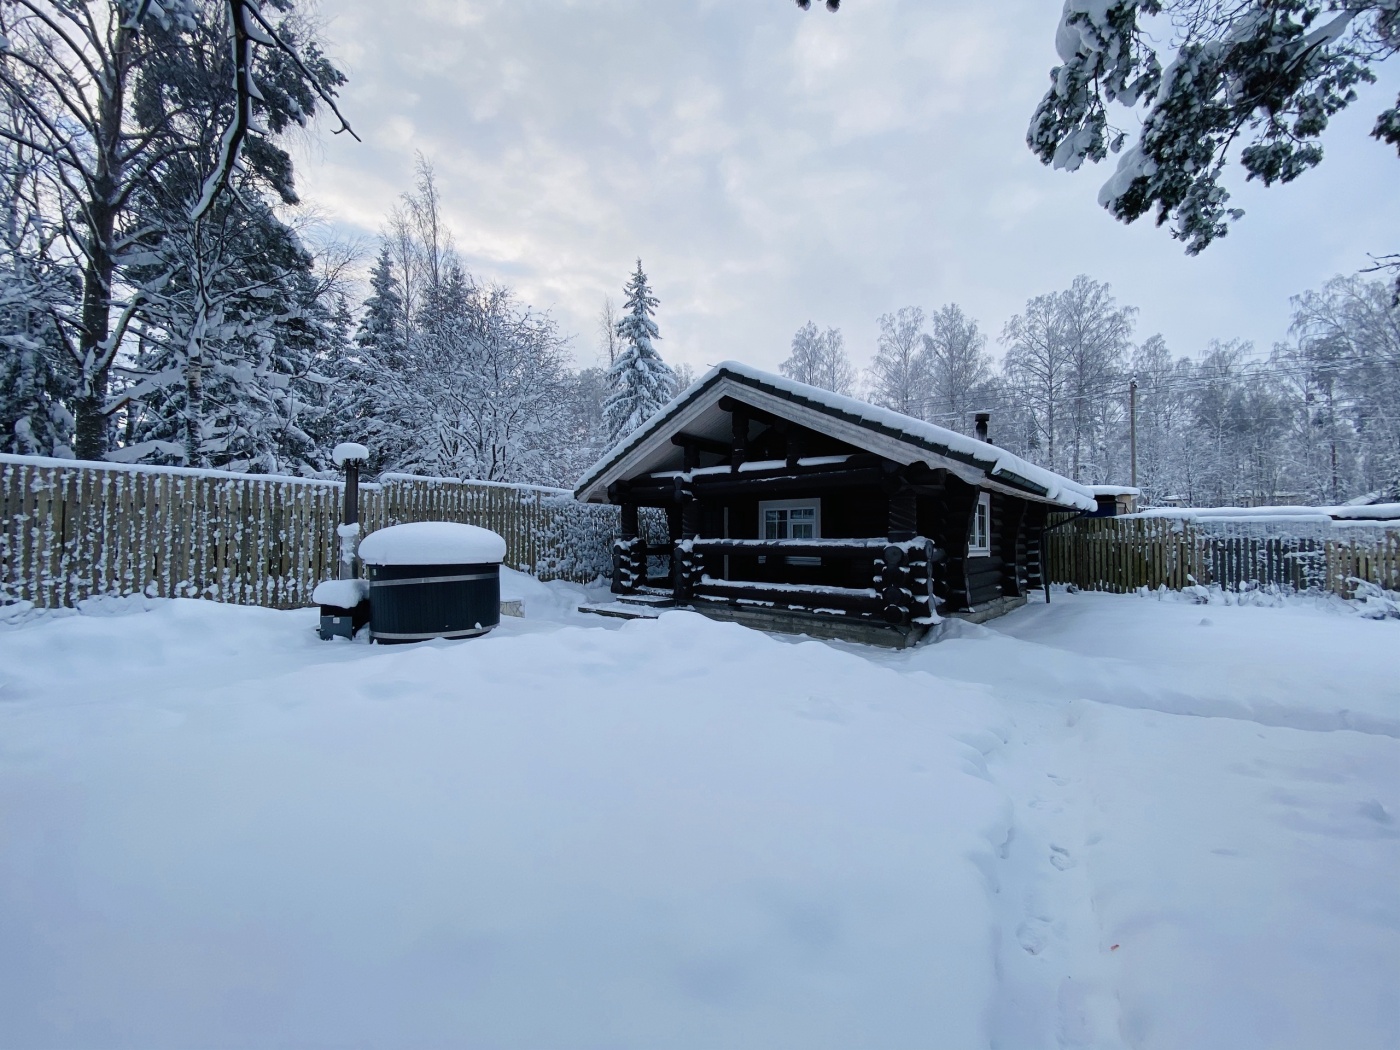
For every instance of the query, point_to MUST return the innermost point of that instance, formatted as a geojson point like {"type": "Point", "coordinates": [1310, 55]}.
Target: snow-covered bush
{"type": "Point", "coordinates": [575, 539]}
{"type": "Point", "coordinates": [1375, 602]}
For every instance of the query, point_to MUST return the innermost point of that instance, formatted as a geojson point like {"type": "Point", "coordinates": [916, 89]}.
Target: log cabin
{"type": "Point", "coordinates": [791, 508]}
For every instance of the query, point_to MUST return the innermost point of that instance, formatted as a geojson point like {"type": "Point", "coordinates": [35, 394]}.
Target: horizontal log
{"type": "Point", "coordinates": [978, 563]}
{"type": "Point", "coordinates": [854, 548]}
{"type": "Point", "coordinates": [714, 486]}
{"type": "Point", "coordinates": [983, 576]}
{"type": "Point", "coordinates": [730, 404]}
{"type": "Point", "coordinates": [704, 444]}
{"type": "Point", "coordinates": [766, 468]}
{"type": "Point", "coordinates": [793, 595]}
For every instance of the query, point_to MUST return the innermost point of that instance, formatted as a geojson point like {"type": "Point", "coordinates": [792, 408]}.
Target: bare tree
{"type": "Point", "coordinates": [1098, 335]}
{"type": "Point", "coordinates": [608, 339]}
{"type": "Point", "coordinates": [420, 243]}
{"type": "Point", "coordinates": [960, 369]}
{"type": "Point", "coordinates": [1038, 366]}
{"type": "Point", "coordinates": [819, 359]}
{"type": "Point", "coordinates": [899, 374]}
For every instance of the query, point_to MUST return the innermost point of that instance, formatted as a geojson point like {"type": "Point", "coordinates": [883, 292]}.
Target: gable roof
{"type": "Point", "coordinates": [893, 435]}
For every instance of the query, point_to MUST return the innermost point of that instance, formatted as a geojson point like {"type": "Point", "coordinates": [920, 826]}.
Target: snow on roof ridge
{"type": "Point", "coordinates": [1058, 488]}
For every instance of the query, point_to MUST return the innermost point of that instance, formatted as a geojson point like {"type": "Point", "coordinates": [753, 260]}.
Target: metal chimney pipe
{"type": "Point", "coordinates": [348, 456]}
{"type": "Point", "coordinates": [982, 419]}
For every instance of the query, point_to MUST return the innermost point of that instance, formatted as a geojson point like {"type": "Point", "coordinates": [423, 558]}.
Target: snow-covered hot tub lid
{"type": "Point", "coordinates": [432, 543]}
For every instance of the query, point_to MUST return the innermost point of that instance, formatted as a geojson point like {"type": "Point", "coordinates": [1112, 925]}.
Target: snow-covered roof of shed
{"type": "Point", "coordinates": [432, 543]}
{"type": "Point", "coordinates": [1113, 490]}
{"type": "Point", "coordinates": [893, 435]}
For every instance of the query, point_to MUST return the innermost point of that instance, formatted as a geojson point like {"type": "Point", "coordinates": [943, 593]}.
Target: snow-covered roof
{"type": "Point", "coordinates": [1113, 490]}
{"type": "Point", "coordinates": [432, 543]}
{"type": "Point", "coordinates": [1366, 512]}
{"type": "Point", "coordinates": [900, 438]}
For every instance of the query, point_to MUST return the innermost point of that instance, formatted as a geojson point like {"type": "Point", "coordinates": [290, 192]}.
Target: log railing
{"type": "Point", "coordinates": [900, 590]}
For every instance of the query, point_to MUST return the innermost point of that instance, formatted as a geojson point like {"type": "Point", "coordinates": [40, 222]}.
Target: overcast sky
{"type": "Point", "coordinates": [772, 166]}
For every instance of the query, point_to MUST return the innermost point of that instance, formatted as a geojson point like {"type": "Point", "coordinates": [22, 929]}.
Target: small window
{"type": "Point", "coordinates": [979, 540]}
{"type": "Point", "coordinates": [791, 519]}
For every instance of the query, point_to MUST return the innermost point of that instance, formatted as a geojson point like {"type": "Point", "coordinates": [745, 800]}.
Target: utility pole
{"type": "Point", "coordinates": [1132, 431]}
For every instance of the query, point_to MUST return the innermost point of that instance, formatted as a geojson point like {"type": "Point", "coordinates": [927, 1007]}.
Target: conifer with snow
{"type": "Point", "coordinates": [639, 381]}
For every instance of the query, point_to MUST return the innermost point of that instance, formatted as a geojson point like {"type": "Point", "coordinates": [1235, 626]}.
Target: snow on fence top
{"type": "Point", "coordinates": [432, 543]}
{"type": "Point", "coordinates": [183, 472]}
{"type": "Point", "coordinates": [515, 486]}
{"type": "Point", "coordinates": [1371, 514]}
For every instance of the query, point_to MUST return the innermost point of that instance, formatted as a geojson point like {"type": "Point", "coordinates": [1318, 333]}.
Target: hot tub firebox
{"type": "Point", "coordinates": [432, 579]}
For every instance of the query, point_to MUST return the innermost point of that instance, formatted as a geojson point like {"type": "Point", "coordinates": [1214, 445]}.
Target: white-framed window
{"type": "Point", "coordinates": [791, 519]}
{"type": "Point", "coordinates": [979, 539]}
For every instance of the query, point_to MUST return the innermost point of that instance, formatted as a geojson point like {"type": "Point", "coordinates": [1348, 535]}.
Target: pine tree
{"type": "Point", "coordinates": [382, 327]}
{"type": "Point", "coordinates": [380, 347]}
{"type": "Point", "coordinates": [1257, 79]}
{"type": "Point", "coordinates": [37, 379]}
{"type": "Point", "coordinates": [639, 381]}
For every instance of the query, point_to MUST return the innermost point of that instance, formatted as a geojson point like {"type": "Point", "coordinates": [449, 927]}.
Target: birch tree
{"type": "Point", "coordinates": [960, 369]}
{"type": "Point", "coordinates": [898, 377]}
{"type": "Point", "coordinates": [819, 359]}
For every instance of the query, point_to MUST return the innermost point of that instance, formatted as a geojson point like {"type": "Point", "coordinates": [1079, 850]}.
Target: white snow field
{"type": "Point", "coordinates": [1105, 822]}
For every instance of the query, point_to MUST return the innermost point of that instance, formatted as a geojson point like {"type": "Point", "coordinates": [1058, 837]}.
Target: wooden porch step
{"type": "Point", "coordinates": [623, 611]}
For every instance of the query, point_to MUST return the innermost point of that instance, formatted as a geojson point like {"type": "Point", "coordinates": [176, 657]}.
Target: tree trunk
{"type": "Point", "coordinates": [91, 421]}
{"type": "Point", "coordinates": [92, 424]}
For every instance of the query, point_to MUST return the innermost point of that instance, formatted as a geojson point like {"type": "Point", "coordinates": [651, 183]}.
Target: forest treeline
{"type": "Point", "coordinates": [1314, 419]}
{"type": "Point", "coordinates": [138, 327]}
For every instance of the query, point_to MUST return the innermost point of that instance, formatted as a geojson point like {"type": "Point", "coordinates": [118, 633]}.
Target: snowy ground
{"type": "Point", "coordinates": [1106, 822]}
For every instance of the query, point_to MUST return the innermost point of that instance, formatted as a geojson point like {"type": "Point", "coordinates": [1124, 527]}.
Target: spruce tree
{"type": "Point", "coordinates": [639, 381]}
{"type": "Point", "coordinates": [382, 328]}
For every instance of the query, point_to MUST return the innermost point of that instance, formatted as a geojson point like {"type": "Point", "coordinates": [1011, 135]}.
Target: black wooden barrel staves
{"type": "Point", "coordinates": [433, 579]}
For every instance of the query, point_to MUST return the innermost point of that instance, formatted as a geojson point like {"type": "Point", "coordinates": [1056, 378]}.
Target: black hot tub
{"type": "Point", "coordinates": [432, 579]}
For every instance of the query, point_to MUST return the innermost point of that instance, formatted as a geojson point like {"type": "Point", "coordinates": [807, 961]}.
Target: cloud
{"type": "Point", "coordinates": [771, 166]}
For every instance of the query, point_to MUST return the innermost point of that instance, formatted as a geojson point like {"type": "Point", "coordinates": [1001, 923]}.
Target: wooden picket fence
{"type": "Point", "coordinates": [70, 531]}
{"type": "Point", "coordinates": [1125, 554]}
